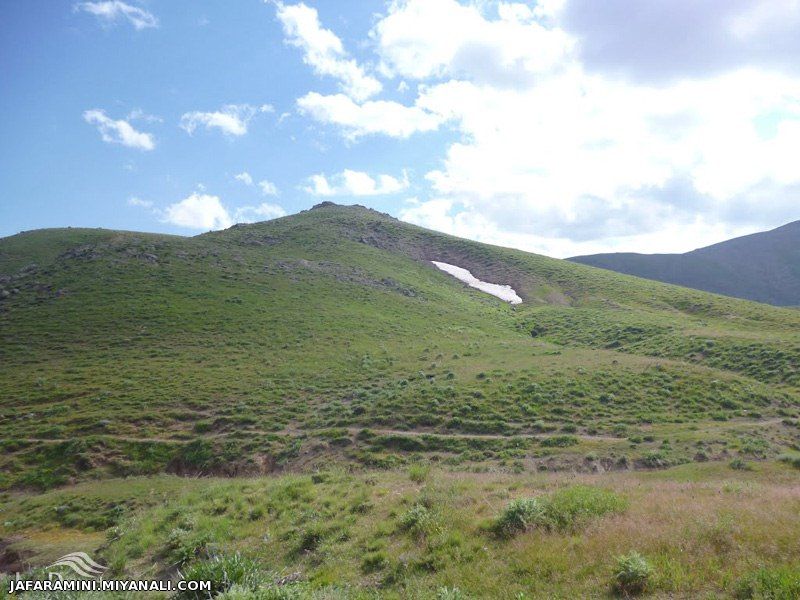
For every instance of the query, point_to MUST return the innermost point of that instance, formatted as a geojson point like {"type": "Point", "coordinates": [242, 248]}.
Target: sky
{"type": "Point", "coordinates": [562, 127]}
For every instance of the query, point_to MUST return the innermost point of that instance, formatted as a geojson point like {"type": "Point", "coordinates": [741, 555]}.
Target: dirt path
{"type": "Point", "coordinates": [296, 432]}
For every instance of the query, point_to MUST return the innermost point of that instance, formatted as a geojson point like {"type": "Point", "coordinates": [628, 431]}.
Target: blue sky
{"type": "Point", "coordinates": [554, 126]}
{"type": "Point", "coordinates": [59, 62]}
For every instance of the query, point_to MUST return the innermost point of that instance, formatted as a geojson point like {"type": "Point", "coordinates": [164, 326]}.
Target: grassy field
{"type": "Point", "coordinates": [430, 533]}
{"type": "Point", "coordinates": [297, 392]}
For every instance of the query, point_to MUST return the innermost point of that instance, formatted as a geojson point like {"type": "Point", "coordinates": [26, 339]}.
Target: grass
{"type": "Point", "coordinates": [378, 534]}
{"type": "Point", "coordinates": [203, 384]}
{"type": "Point", "coordinates": [312, 395]}
{"type": "Point", "coordinates": [777, 583]}
{"type": "Point", "coordinates": [566, 510]}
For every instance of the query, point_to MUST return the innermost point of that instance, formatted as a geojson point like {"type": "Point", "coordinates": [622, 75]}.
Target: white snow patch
{"type": "Point", "coordinates": [504, 292]}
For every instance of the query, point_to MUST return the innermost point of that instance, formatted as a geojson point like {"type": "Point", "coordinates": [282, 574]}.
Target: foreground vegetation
{"type": "Point", "coordinates": [695, 531]}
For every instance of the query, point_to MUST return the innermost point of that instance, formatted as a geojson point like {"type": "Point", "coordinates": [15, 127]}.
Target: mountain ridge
{"type": "Point", "coordinates": [763, 266]}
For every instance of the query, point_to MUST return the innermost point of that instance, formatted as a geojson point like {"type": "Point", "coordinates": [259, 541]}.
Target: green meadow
{"type": "Point", "coordinates": [307, 408]}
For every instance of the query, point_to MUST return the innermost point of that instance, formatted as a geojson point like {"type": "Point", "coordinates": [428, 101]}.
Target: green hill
{"type": "Point", "coordinates": [328, 338]}
{"type": "Point", "coordinates": [764, 267]}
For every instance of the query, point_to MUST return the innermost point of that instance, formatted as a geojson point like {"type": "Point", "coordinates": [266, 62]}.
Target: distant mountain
{"type": "Point", "coordinates": [764, 267]}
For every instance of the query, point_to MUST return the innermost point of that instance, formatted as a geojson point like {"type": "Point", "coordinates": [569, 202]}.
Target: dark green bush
{"type": "Point", "coordinates": [567, 509]}
{"type": "Point", "coordinates": [632, 574]}
{"type": "Point", "coordinates": [224, 572]}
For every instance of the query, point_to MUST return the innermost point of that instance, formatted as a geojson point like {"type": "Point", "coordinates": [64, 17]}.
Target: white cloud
{"type": "Point", "coordinates": [262, 212]}
{"type": "Point", "coordinates": [198, 211]}
{"type": "Point", "coordinates": [231, 119]}
{"type": "Point", "coordinates": [371, 117]}
{"type": "Point", "coordinates": [356, 183]}
{"type": "Point", "coordinates": [244, 177]}
{"type": "Point", "coordinates": [448, 216]}
{"type": "Point", "coordinates": [324, 51]}
{"type": "Point", "coordinates": [206, 212]}
{"type": "Point", "coordinates": [583, 157]}
{"type": "Point", "coordinates": [138, 114]}
{"type": "Point", "coordinates": [268, 188]}
{"type": "Point", "coordinates": [134, 201]}
{"type": "Point", "coordinates": [557, 155]}
{"type": "Point", "coordinates": [118, 131]}
{"type": "Point", "coordinates": [509, 50]}
{"type": "Point", "coordinates": [111, 11]}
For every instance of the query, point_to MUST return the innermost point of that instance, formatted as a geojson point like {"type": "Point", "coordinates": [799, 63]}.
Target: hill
{"type": "Point", "coordinates": [393, 410]}
{"type": "Point", "coordinates": [764, 267]}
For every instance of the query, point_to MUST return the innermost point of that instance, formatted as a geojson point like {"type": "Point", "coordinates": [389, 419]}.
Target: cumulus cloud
{"type": "Point", "coordinates": [201, 211]}
{"type": "Point", "coordinates": [371, 117]}
{"type": "Point", "coordinates": [268, 188]}
{"type": "Point", "coordinates": [138, 114]}
{"type": "Point", "coordinates": [584, 126]}
{"type": "Point", "coordinates": [231, 119]}
{"type": "Point", "coordinates": [198, 211]}
{"type": "Point", "coordinates": [111, 11]}
{"type": "Point", "coordinates": [262, 212]}
{"type": "Point", "coordinates": [356, 183]}
{"type": "Point", "coordinates": [662, 40]}
{"type": "Point", "coordinates": [451, 217]}
{"type": "Point", "coordinates": [324, 51]}
{"type": "Point", "coordinates": [584, 157]}
{"type": "Point", "coordinates": [135, 201]}
{"type": "Point", "coordinates": [118, 131]}
{"type": "Point", "coordinates": [244, 177]}
{"type": "Point", "coordinates": [510, 49]}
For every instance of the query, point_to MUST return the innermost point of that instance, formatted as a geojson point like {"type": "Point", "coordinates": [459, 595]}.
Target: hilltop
{"type": "Point", "coordinates": [764, 267]}
{"type": "Point", "coordinates": [324, 351]}
{"type": "Point", "coordinates": [334, 320]}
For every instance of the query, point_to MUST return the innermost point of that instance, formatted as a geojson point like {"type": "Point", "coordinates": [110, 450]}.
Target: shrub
{"type": "Point", "coordinates": [292, 591]}
{"type": "Point", "coordinates": [223, 572]}
{"type": "Point", "coordinates": [791, 459]}
{"type": "Point", "coordinates": [782, 583]}
{"type": "Point", "coordinates": [567, 509]}
{"type": "Point", "coordinates": [418, 473]}
{"type": "Point", "coordinates": [450, 593]}
{"type": "Point", "coordinates": [655, 459]}
{"type": "Point", "coordinates": [740, 464]}
{"type": "Point", "coordinates": [374, 561]}
{"type": "Point", "coordinates": [519, 515]}
{"type": "Point", "coordinates": [184, 545]}
{"type": "Point", "coordinates": [632, 573]}
{"type": "Point", "coordinates": [420, 521]}
{"type": "Point", "coordinates": [559, 441]}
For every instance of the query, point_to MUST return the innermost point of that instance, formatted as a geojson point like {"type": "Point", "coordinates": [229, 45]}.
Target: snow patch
{"type": "Point", "coordinates": [504, 292]}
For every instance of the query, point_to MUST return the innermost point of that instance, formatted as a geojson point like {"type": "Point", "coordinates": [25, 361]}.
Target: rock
{"type": "Point", "coordinates": [88, 252]}
{"type": "Point", "coordinates": [324, 204]}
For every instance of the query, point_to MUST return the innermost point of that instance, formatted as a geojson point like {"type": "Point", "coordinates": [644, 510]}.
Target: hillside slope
{"type": "Point", "coordinates": [764, 267]}
{"type": "Point", "coordinates": [367, 426]}
{"type": "Point", "coordinates": [329, 335]}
